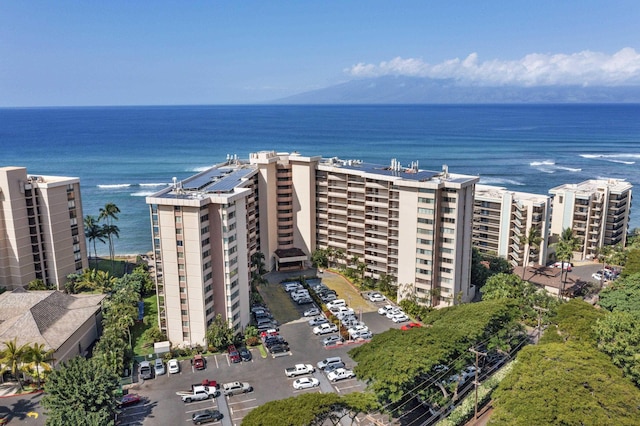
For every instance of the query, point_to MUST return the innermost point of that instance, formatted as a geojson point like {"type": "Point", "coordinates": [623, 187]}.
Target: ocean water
{"type": "Point", "coordinates": [122, 154]}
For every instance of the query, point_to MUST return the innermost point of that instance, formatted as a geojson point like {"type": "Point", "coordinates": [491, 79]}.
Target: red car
{"type": "Point", "coordinates": [129, 399]}
{"type": "Point", "coordinates": [410, 326]}
{"type": "Point", "coordinates": [234, 356]}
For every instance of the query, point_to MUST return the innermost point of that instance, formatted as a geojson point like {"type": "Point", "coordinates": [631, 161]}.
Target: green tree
{"type": "Point", "coordinates": [36, 284]}
{"type": "Point", "coordinates": [566, 245]}
{"type": "Point", "coordinates": [564, 384]}
{"type": "Point", "coordinates": [531, 242]}
{"type": "Point", "coordinates": [93, 232]}
{"type": "Point", "coordinates": [312, 409]}
{"type": "Point", "coordinates": [13, 356]}
{"type": "Point", "coordinates": [109, 213]}
{"type": "Point", "coordinates": [320, 258]}
{"type": "Point", "coordinates": [618, 336]}
{"type": "Point", "coordinates": [80, 386]}
{"type": "Point", "coordinates": [220, 334]}
{"type": "Point", "coordinates": [622, 294]}
{"type": "Point", "coordinates": [479, 271]}
{"type": "Point", "coordinates": [632, 264]}
{"type": "Point", "coordinates": [39, 358]}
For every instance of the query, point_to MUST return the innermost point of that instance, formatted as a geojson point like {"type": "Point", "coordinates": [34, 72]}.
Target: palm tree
{"type": "Point", "coordinates": [531, 241]}
{"type": "Point", "coordinates": [109, 213]}
{"type": "Point", "coordinates": [39, 357]}
{"type": "Point", "coordinates": [13, 356]}
{"type": "Point", "coordinates": [93, 232]}
{"type": "Point", "coordinates": [566, 245]}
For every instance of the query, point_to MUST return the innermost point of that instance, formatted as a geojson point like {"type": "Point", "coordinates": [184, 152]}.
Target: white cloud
{"type": "Point", "coordinates": [535, 69]}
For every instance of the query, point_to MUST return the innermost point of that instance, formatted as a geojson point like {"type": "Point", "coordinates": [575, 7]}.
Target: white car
{"type": "Point", "coordinates": [358, 329]}
{"type": "Point", "coordinates": [325, 329]}
{"type": "Point", "coordinates": [596, 276]}
{"type": "Point", "coordinates": [376, 297]}
{"type": "Point", "coordinates": [317, 321]}
{"type": "Point", "coordinates": [335, 303]}
{"type": "Point", "coordinates": [173, 366]}
{"type": "Point", "coordinates": [362, 335]}
{"type": "Point", "coordinates": [311, 312]}
{"type": "Point", "coordinates": [392, 313]}
{"type": "Point", "coordinates": [306, 383]}
{"type": "Point", "coordinates": [385, 309]}
{"type": "Point", "coordinates": [341, 310]}
{"type": "Point", "coordinates": [340, 374]}
{"type": "Point", "coordinates": [401, 317]}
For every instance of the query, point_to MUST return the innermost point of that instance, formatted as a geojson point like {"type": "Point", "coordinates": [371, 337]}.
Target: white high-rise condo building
{"type": "Point", "coordinates": [597, 210]}
{"type": "Point", "coordinates": [503, 220]}
{"type": "Point", "coordinates": [411, 224]}
{"type": "Point", "coordinates": [41, 229]}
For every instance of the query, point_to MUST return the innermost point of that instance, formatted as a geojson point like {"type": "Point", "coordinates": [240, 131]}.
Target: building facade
{"type": "Point", "coordinates": [597, 210]}
{"type": "Point", "coordinates": [407, 223]}
{"type": "Point", "coordinates": [503, 219]}
{"type": "Point", "coordinates": [41, 229]}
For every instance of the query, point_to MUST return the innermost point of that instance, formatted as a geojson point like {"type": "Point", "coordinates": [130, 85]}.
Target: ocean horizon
{"type": "Point", "coordinates": [123, 154]}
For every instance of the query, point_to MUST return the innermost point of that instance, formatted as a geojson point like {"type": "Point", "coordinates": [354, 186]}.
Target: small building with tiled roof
{"type": "Point", "coordinates": [66, 323]}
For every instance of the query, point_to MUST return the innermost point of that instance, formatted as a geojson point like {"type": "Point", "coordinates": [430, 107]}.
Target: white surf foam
{"type": "Point", "coordinates": [142, 193]}
{"type": "Point", "coordinates": [198, 169]}
{"type": "Point", "coordinates": [542, 163]}
{"type": "Point", "coordinates": [154, 184]}
{"type": "Point", "coordinates": [499, 181]}
{"type": "Point", "coordinates": [116, 185]}
{"type": "Point", "coordinates": [569, 169]}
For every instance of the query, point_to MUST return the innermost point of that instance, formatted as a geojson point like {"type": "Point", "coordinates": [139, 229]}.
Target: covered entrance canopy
{"type": "Point", "coordinates": [290, 259]}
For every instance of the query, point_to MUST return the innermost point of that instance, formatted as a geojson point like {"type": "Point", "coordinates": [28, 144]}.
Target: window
{"type": "Point", "coordinates": [447, 220]}
{"type": "Point", "coordinates": [180, 255]}
{"type": "Point", "coordinates": [179, 243]}
{"type": "Point", "coordinates": [447, 230]}
{"type": "Point", "coordinates": [425, 252]}
{"type": "Point", "coordinates": [178, 231]}
{"type": "Point", "coordinates": [178, 219]}
{"type": "Point", "coordinates": [424, 242]}
{"type": "Point", "coordinates": [448, 210]}
{"type": "Point", "coordinates": [204, 230]}
{"type": "Point", "coordinates": [425, 221]}
{"type": "Point", "coordinates": [183, 301]}
{"type": "Point", "coordinates": [425, 211]}
{"type": "Point", "coordinates": [204, 217]}
{"type": "Point", "coordinates": [425, 231]}
{"type": "Point", "coordinates": [185, 323]}
{"type": "Point", "coordinates": [184, 312]}
{"type": "Point", "coordinates": [425, 200]}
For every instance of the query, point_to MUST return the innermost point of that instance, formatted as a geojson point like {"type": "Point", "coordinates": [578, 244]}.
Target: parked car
{"type": "Point", "coordinates": [331, 340]}
{"type": "Point", "coordinates": [362, 335]}
{"type": "Point", "coordinates": [335, 303]}
{"type": "Point", "coordinates": [332, 367]}
{"type": "Point", "coordinates": [394, 312]}
{"type": "Point", "coordinates": [596, 276]}
{"type": "Point", "coordinates": [278, 349]}
{"type": "Point", "coordinates": [311, 312]}
{"type": "Point", "coordinates": [385, 309]}
{"type": "Point", "coordinates": [401, 317]}
{"type": "Point", "coordinates": [206, 416]}
{"type": "Point", "coordinates": [325, 329]}
{"type": "Point", "coordinates": [410, 326]}
{"type": "Point", "coordinates": [245, 354]}
{"type": "Point", "coordinates": [304, 300]}
{"type": "Point", "coordinates": [376, 297]}
{"type": "Point", "coordinates": [173, 366]}
{"type": "Point", "coordinates": [198, 362]}
{"type": "Point", "coordinates": [158, 367]}
{"type": "Point", "coordinates": [146, 371]}
{"type": "Point", "coordinates": [234, 356]}
{"type": "Point", "coordinates": [340, 374]}
{"type": "Point", "coordinates": [328, 297]}
{"type": "Point", "coordinates": [305, 383]}
{"type": "Point", "coordinates": [128, 400]}
{"type": "Point", "coordinates": [235, 388]}
{"type": "Point", "coordinates": [318, 321]}
{"type": "Point", "coordinates": [327, 361]}
{"type": "Point", "coordinates": [567, 265]}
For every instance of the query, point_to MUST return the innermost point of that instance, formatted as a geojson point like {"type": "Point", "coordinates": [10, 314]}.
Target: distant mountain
{"type": "Point", "coordinates": [414, 90]}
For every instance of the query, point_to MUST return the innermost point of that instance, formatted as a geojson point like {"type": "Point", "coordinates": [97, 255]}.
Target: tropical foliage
{"type": "Point", "coordinates": [312, 409]}
{"type": "Point", "coordinates": [81, 392]}
{"type": "Point", "coordinates": [31, 359]}
{"type": "Point", "coordinates": [219, 334]}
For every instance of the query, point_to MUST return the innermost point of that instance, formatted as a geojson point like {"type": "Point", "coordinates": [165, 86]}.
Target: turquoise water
{"type": "Point", "coordinates": [122, 154]}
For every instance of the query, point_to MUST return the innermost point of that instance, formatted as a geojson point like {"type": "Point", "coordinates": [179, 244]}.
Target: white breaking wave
{"type": "Point", "coordinates": [115, 185]}
{"type": "Point", "coordinates": [614, 158]}
{"type": "Point", "coordinates": [569, 169]}
{"type": "Point", "coordinates": [499, 181]}
{"type": "Point", "coordinates": [542, 163]}
{"type": "Point", "coordinates": [142, 193]}
{"type": "Point", "coordinates": [154, 184]}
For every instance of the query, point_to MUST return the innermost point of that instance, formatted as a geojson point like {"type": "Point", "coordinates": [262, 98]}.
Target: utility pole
{"type": "Point", "coordinates": [540, 310]}
{"type": "Point", "coordinates": [475, 382]}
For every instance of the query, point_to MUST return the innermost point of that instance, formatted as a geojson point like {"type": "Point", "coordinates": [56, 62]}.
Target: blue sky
{"type": "Point", "coordinates": [60, 53]}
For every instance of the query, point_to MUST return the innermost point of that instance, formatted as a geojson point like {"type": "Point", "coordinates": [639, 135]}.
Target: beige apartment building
{"type": "Point", "coordinates": [412, 224]}
{"type": "Point", "coordinates": [597, 210]}
{"type": "Point", "coordinates": [502, 220]}
{"type": "Point", "coordinates": [41, 228]}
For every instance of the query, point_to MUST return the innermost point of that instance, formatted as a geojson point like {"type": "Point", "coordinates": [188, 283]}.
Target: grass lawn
{"type": "Point", "coordinates": [281, 306]}
{"type": "Point", "coordinates": [347, 292]}
{"type": "Point", "coordinates": [118, 269]}
{"type": "Point", "coordinates": [150, 319]}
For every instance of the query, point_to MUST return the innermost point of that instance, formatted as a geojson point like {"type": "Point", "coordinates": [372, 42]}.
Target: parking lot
{"type": "Point", "coordinates": [266, 376]}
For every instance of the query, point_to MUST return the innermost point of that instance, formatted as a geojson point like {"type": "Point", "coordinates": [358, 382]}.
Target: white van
{"type": "Point", "coordinates": [328, 361]}
{"type": "Point", "coordinates": [291, 286]}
